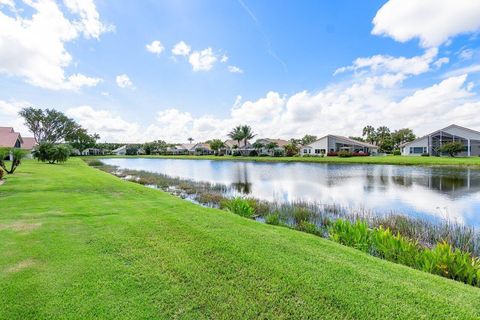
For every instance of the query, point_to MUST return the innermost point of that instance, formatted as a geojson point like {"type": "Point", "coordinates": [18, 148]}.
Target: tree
{"type": "Point", "coordinates": [236, 134]}
{"type": "Point", "coordinates": [291, 150]}
{"type": "Point", "coordinates": [52, 153]}
{"type": "Point", "coordinates": [247, 134]}
{"type": "Point", "coordinates": [452, 148]}
{"type": "Point", "coordinates": [17, 156]}
{"type": "Point", "coordinates": [307, 139]}
{"type": "Point", "coordinates": [131, 151]}
{"type": "Point", "coordinates": [257, 145]}
{"type": "Point", "coordinates": [81, 140]}
{"type": "Point", "coordinates": [384, 139]}
{"type": "Point", "coordinates": [49, 125]}
{"type": "Point", "coordinates": [216, 145]}
{"type": "Point", "coordinates": [190, 140]}
{"type": "Point", "coordinates": [357, 139]}
{"type": "Point", "coordinates": [370, 134]}
{"type": "Point", "coordinates": [271, 145]}
{"type": "Point", "coordinates": [401, 136]}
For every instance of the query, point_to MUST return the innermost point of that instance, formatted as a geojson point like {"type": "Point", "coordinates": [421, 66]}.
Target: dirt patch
{"type": "Point", "coordinates": [20, 266]}
{"type": "Point", "coordinates": [20, 226]}
{"type": "Point", "coordinates": [2, 182]}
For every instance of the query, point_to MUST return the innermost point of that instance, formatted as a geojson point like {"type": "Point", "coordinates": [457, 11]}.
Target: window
{"type": "Point", "coordinates": [317, 151]}
{"type": "Point", "coordinates": [418, 150]}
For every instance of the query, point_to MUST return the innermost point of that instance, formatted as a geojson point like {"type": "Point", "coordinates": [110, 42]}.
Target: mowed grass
{"type": "Point", "coordinates": [395, 160]}
{"type": "Point", "coordinates": [79, 243]}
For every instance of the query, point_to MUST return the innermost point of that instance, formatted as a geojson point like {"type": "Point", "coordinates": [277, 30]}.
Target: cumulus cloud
{"type": "Point", "coordinates": [433, 22]}
{"type": "Point", "coordinates": [181, 49]}
{"type": "Point", "coordinates": [202, 60]}
{"type": "Point", "coordinates": [33, 46]}
{"type": "Point", "coordinates": [123, 81]}
{"type": "Point", "coordinates": [234, 69]}
{"type": "Point", "coordinates": [155, 47]}
{"type": "Point", "coordinates": [9, 115]}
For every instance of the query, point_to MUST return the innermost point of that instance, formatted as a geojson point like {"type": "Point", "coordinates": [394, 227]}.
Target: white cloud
{"type": "Point", "coordinates": [181, 49]}
{"type": "Point", "coordinates": [123, 81]}
{"type": "Point", "coordinates": [465, 70]}
{"type": "Point", "coordinates": [155, 47]}
{"type": "Point", "coordinates": [89, 23]}
{"type": "Point", "coordinates": [384, 63]}
{"type": "Point", "coordinates": [440, 62]}
{"type": "Point", "coordinates": [257, 111]}
{"type": "Point", "coordinates": [224, 58]}
{"type": "Point", "coordinates": [234, 69]}
{"type": "Point", "coordinates": [202, 60]}
{"type": "Point", "coordinates": [9, 116]}
{"type": "Point", "coordinates": [466, 54]}
{"type": "Point", "coordinates": [433, 22]}
{"type": "Point", "coordinates": [33, 46]}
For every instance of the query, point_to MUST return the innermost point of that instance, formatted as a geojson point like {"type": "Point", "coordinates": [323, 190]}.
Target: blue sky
{"type": "Point", "coordinates": [416, 58]}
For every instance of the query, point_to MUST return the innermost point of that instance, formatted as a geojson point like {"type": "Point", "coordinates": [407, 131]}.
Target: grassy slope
{"type": "Point", "coordinates": [76, 242]}
{"type": "Point", "coordinates": [398, 160]}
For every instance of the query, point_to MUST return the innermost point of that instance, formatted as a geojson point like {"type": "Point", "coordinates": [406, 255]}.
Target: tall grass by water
{"type": "Point", "coordinates": [443, 247]}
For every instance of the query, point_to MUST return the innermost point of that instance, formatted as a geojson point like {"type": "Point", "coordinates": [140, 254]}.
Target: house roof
{"type": "Point", "coordinates": [360, 143]}
{"type": "Point", "coordinates": [8, 138]}
{"type": "Point", "coordinates": [443, 129]}
{"type": "Point", "coordinates": [232, 143]}
{"type": "Point", "coordinates": [120, 148]}
{"type": "Point", "coordinates": [29, 143]}
{"type": "Point", "coordinates": [187, 146]}
{"type": "Point", "coordinates": [202, 145]}
{"type": "Point", "coordinates": [6, 130]}
{"type": "Point", "coordinates": [279, 142]}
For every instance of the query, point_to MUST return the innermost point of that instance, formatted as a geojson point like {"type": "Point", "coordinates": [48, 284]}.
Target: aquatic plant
{"type": "Point", "coordinates": [241, 207]}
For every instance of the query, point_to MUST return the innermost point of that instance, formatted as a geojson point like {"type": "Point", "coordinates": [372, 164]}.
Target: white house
{"type": "Point", "coordinates": [120, 151]}
{"type": "Point", "coordinates": [430, 143]}
{"type": "Point", "coordinates": [333, 143]}
{"type": "Point", "coordinates": [280, 145]}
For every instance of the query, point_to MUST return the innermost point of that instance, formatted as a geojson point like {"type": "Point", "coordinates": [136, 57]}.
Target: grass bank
{"type": "Point", "coordinates": [79, 243]}
{"type": "Point", "coordinates": [395, 160]}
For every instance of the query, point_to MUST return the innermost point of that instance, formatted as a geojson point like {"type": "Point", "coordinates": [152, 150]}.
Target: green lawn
{"type": "Point", "coordinates": [398, 160]}
{"type": "Point", "coordinates": [79, 243]}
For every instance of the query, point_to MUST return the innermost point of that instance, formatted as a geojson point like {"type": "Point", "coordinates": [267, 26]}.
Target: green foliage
{"type": "Point", "coordinates": [94, 163]}
{"type": "Point", "coordinates": [49, 125]}
{"type": "Point", "coordinates": [442, 259]}
{"type": "Point", "coordinates": [291, 150]}
{"type": "Point", "coordinates": [236, 134]}
{"type": "Point", "coordinates": [344, 154]}
{"type": "Point", "coordinates": [2, 173]}
{"type": "Point", "coordinates": [247, 134]}
{"type": "Point", "coordinates": [52, 153]}
{"type": "Point", "coordinates": [155, 147]}
{"type": "Point", "coordinates": [278, 153]}
{"type": "Point", "coordinates": [241, 207]}
{"type": "Point", "coordinates": [307, 139]}
{"type": "Point", "coordinates": [81, 140]}
{"type": "Point", "coordinates": [131, 151]}
{"type": "Point", "coordinates": [452, 148]}
{"type": "Point", "coordinates": [396, 152]}
{"type": "Point", "coordinates": [216, 145]}
{"type": "Point", "coordinates": [17, 156]}
{"type": "Point", "coordinates": [401, 136]}
{"type": "Point", "coordinates": [301, 215]}
{"type": "Point", "coordinates": [273, 219]}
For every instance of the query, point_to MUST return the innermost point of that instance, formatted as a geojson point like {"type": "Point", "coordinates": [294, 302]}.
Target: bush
{"type": "Point", "coordinates": [52, 153]}
{"type": "Point", "coordinates": [253, 153]}
{"type": "Point", "coordinates": [240, 206]}
{"type": "Point", "coordinates": [425, 155]}
{"type": "Point", "coordinates": [301, 215]}
{"type": "Point", "coordinates": [131, 151]}
{"type": "Point", "coordinates": [94, 163]}
{"type": "Point", "coordinates": [278, 153]}
{"type": "Point", "coordinates": [452, 148]}
{"type": "Point", "coordinates": [344, 154]}
{"type": "Point", "coordinates": [264, 155]}
{"type": "Point", "coordinates": [332, 154]}
{"type": "Point", "coordinates": [273, 219]}
{"type": "Point", "coordinates": [397, 152]}
{"type": "Point", "coordinates": [308, 227]}
{"type": "Point", "coordinates": [236, 153]}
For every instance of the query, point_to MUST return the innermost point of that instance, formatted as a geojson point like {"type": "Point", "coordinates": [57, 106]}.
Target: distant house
{"type": "Point", "coordinates": [430, 143]}
{"type": "Point", "coordinates": [11, 139]}
{"type": "Point", "coordinates": [202, 149]}
{"type": "Point", "coordinates": [92, 152]}
{"type": "Point", "coordinates": [265, 142]}
{"type": "Point", "coordinates": [121, 151]}
{"type": "Point", "coordinates": [231, 145]}
{"type": "Point", "coordinates": [333, 144]}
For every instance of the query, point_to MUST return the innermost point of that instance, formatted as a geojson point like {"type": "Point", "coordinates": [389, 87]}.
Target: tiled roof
{"type": "Point", "coordinates": [29, 143]}
{"type": "Point", "coordinates": [9, 139]}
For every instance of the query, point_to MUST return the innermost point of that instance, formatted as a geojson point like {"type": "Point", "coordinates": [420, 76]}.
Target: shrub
{"type": "Point", "coordinates": [452, 148]}
{"type": "Point", "coordinates": [240, 206]}
{"type": "Point", "coordinates": [332, 154]}
{"type": "Point", "coordinates": [301, 215]}
{"type": "Point", "coordinates": [397, 152]}
{"type": "Point", "coordinates": [344, 154]}
{"type": "Point", "coordinates": [94, 163]}
{"type": "Point", "coordinates": [264, 155]}
{"type": "Point", "coordinates": [236, 153]}
{"type": "Point", "coordinates": [356, 235]}
{"type": "Point", "coordinates": [425, 155]}
{"type": "Point", "coordinates": [52, 153]}
{"type": "Point", "coordinates": [308, 227]}
{"type": "Point", "coordinates": [273, 219]}
{"type": "Point", "coordinates": [278, 153]}
{"type": "Point", "coordinates": [253, 153]}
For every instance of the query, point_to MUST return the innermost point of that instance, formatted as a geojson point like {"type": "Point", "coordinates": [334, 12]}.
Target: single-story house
{"type": "Point", "coordinates": [279, 142]}
{"type": "Point", "coordinates": [11, 139]}
{"type": "Point", "coordinates": [430, 143]}
{"type": "Point", "coordinates": [201, 149]}
{"type": "Point", "coordinates": [121, 151]}
{"type": "Point", "coordinates": [332, 143]}
{"type": "Point", "coordinates": [231, 145]}
{"type": "Point", "coordinates": [92, 152]}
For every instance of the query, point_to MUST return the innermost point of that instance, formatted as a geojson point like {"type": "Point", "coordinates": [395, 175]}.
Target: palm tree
{"type": "Point", "coordinates": [190, 140]}
{"type": "Point", "coordinates": [382, 133]}
{"type": "Point", "coordinates": [247, 134]}
{"type": "Point", "coordinates": [369, 134]}
{"type": "Point", "coordinates": [236, 134]}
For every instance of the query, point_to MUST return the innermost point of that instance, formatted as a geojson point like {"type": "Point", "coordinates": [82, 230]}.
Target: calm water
{"type": "Point", "coordinates": [419, 191]}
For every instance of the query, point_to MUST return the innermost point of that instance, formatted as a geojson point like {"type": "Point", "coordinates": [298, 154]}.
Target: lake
{"type": "Point", "coordinates": [427, 192]}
